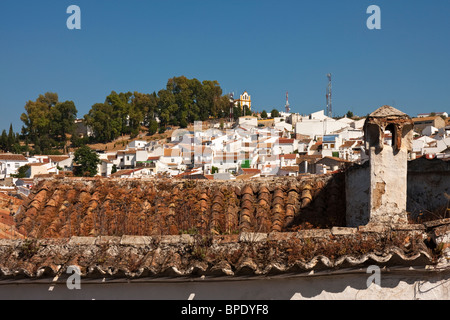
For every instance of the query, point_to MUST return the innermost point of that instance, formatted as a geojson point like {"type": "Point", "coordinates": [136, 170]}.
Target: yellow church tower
{"type": "Point", "coordinates": [244, 100]}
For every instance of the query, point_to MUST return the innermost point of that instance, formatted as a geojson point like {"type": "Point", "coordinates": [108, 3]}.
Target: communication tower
{"type": "Point", "coordinates": [329, 108]}
{"type": "Point", "coordinates": [288, 108]}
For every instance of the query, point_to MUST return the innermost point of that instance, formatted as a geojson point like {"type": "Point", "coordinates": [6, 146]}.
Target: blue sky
{"type": "Point", "coordinates": [264, 47]}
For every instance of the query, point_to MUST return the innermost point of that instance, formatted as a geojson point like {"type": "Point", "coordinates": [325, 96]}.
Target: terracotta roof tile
{"type": "Point", "coordinates": [12, 157]}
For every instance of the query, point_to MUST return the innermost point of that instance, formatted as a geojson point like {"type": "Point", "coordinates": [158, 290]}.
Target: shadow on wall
{"type": "Point", "coordinates": [428, 191]}
{"type": "Point", "coordinates": [428, 196]}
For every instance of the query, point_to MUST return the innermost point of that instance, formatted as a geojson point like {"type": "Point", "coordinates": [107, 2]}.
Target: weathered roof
{"type": "Point", "coordinates": [189, 228]}
{"type": "Point", "coordinates": [246, 254]}
{"type": "Point", "coordinates": [420, 119]}
{"type": "Point", "coordinates": [169, 207]}
{"type": "Point", "coordinates": [58, 158]}
{"type": "Point", "coordinates": [12, 157]}
{"type": "Point", "coordinates": [285, 141]}
{"type": "Point", "coordinates": [289, 156]}
{"type": "Point", "coordinates": [387, 111]}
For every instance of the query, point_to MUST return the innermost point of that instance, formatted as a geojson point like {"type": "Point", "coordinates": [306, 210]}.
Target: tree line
{"type": "Point", "coordinates": [49, 124]}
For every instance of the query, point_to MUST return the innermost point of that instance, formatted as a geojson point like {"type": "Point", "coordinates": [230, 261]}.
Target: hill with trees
{"type": "Point", "coordinates": [49, 124]}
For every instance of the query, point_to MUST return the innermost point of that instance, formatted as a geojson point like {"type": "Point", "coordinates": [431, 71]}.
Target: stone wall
{"type": "Point", "coordinates": [428, 188]}
{"type": "Point", "coordinates": [428, 191]}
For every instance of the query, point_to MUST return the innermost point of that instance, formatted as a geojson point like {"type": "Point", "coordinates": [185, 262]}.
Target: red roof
{"type": "Point", "coordinates": [251, 171]}
{"type": "Point", "coordinates": [285, 141]}
{"type": "Point", "coordinates": [288, 156]}
{"type": "Point", "coordinates": [12, 157]}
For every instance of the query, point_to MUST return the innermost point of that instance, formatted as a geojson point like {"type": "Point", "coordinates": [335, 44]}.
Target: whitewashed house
{"type": "Point", "coordinates": [286, 145]}
{"type": "Point", "coordinates": [10, 163]}
{"type": "Point", "coordinates": [227, 161]}
{"type": "Point", "coordinates": [127, 159]}
{"type": "Point", "coordinates": [248, 121]}
{"type": "Point", "coordinates": [330, 145]}
{"type": "Point", "coordinates": [137, 144]}
{"type": "Point", "coordinates": [64, 162]}
{"type": "Point", "coordinates": [288, 160]}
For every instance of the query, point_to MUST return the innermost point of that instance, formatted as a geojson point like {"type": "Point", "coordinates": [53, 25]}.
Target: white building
{"type": "Point", "coordinates": [317, 126]}
{"type": "Point", "coordinates": [10, 163]}
{"type": "Point", "coordinates": [227, 161]}
{"type": "Point", "coordinates": [330, 145]}
{"type": "Point", "coordinates": [248, 121]}
{"type": "Point", "coordinates": [128, 158]}
{"type": "Point", "coordinates": [137, 144]}
{"type": "Point", "coordinates": [285, 146]}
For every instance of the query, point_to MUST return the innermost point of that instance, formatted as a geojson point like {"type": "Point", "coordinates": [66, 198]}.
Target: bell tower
{"type": "Point", "coordinates": [388, 138]}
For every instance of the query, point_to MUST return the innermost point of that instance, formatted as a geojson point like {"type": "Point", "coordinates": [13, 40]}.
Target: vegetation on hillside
{"type": "Point", "coordinates": [49, 124]}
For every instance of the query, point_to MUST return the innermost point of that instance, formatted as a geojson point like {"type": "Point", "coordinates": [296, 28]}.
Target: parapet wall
{"type": "Point", "coordinates": [429, 188]}
{"type": "Point", "coordinates": [428, 191]}
{"type": "Point", "coordinates": [247, 254]}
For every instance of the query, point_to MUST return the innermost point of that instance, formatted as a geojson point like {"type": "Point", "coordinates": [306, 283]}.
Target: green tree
{"type": "Point", "coordinates": [47, 122]}
{"type": "Point", "coordinates": [104, 122]}
{"type": "Point", "coordinates": [152, 127]}
{"type": "Point", "coordinates": [264, 114]}
{"type": "Point", "coordinates": [274, 113]}
{"type": "Point", "coordinates": [21, 172]}
{"type": "Point", "coordinates": [237, 112]}
{"type": "Point", "coordinates": [11, 138]}
{"type": "Point", "coordinates": [87, 160]}
{"type": "Point", "coordinates": [350, 114]}
{"type": "Point", "coordinates": [4, 141]}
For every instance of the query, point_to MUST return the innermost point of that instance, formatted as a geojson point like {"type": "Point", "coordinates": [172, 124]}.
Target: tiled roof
{"type": "Point", "coordinates": [251, 170]}
{"type": "Point", "coordinates": [290, 156]}
{"type": "Point", "coordinates": [12, 157]}
{"type": "Point", "coordinates": [425, 119]}
{"type": "Point", "coordinates": [290, 168]}
{"type": "Point", "coordinates": [285, 141]}
{"type": "Point", "coordinates": [246, 254]}
{"type": "Point", "coordinates": [347, 144]}
{"type": "Point", "coordinates": [58, 158]}
{"type": "Point", "coordinates": [36, 164]}
{"type": "Point", "coordinates": [316, 146]}
{"type": "Point", "coordinates": [210, 207]}
{"type": "Point", "coordinates": [172, 152]}
{"type": "Point", "coordinates": [167, 228]}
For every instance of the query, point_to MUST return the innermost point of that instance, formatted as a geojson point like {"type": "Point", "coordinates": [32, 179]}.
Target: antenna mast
{"type": "Point", "coordinates": [231, 95]}
{"type": "Point", "coordinates": [288, 108]}
{"type": "Point", "coordinates": [329, 108]}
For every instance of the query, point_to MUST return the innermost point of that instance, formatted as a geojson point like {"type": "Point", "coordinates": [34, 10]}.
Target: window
{"type": "Point", "coordinates": [128, 158]}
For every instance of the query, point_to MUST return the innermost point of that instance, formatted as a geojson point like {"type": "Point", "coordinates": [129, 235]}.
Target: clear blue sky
{"type": "Point", "coordinates": [264, 47]}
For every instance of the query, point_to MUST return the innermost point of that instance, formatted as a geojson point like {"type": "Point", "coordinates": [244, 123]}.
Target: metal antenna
{"type": "Point", "coordinates": [329, 108]}
{"type": "Point", "coordinates": [288, 108]}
